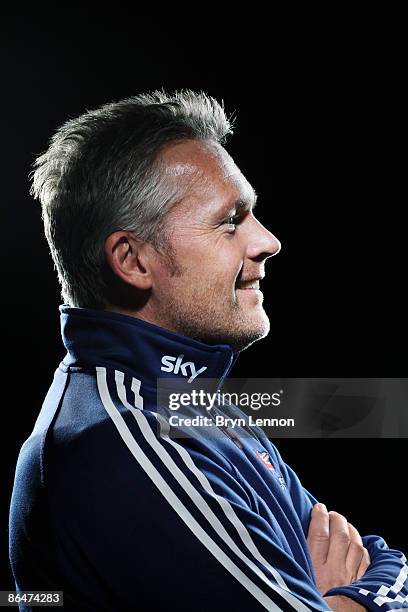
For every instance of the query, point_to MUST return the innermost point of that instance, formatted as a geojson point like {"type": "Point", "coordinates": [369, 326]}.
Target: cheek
{"type": "Point", "coordinates": [225, 272]}
{"type": "Point", "coordinates": [215, 264]}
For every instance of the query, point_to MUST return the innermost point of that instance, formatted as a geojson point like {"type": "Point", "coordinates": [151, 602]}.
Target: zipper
{"type": "Point", "coordinates": [224, 376]}
{"type": "Point", "coordinates": [224, 428]}
{"type": "Point", "coordinates": [227, 431]}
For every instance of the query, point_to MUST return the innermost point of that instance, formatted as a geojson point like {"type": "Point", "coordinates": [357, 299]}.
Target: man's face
{"type": "Point", "coordinates": [218, 247]}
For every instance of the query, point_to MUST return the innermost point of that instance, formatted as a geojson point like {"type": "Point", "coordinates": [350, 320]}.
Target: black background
{"type": "Point", "coordinates": [318, 134]}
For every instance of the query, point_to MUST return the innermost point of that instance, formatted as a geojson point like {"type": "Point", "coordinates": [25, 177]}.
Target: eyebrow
{"type": "Point", "coordinates": [242, 203]}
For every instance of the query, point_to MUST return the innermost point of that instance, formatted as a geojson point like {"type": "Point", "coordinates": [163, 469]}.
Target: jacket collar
{"type": "Point", "coordinates": [103, 338]}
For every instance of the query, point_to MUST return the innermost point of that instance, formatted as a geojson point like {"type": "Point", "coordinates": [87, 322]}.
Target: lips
{"type": "Point", "coordinates": [248, 284]}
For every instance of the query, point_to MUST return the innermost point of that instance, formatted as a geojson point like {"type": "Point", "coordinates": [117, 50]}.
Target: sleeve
{"type": "Point", "coordinates": [384, 586]}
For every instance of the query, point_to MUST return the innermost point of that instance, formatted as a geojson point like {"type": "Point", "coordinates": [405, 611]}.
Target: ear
{"type": "Point", "coordinates": [128, 259]}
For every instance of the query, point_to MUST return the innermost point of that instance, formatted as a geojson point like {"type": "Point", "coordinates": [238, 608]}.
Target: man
{"type": "Point", "coordinates": [152, 230]}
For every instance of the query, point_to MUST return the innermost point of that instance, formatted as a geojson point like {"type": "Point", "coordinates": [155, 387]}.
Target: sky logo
{"type": "Point", "coordinates": [176, 365]}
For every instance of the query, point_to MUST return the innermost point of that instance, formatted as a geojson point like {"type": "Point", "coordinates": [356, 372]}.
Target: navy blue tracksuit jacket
{"type": "Point", "coordinates": [120, 514]}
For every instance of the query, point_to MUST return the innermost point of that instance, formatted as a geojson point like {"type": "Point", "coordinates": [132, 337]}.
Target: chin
{"type": "Point", "coordinates": [259, 324]}
{"type": "Point", "coordinates": [250, 333]}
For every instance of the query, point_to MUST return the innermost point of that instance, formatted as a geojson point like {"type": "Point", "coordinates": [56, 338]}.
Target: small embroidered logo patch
{"type": "Point", "coordinates": [266, 460]}
{"type": "Point", "coordinates": [264, 457]}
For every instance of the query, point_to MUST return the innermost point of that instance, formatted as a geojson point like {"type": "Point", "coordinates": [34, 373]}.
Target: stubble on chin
{"type": "Point", "coordinates": [196, 317]}
{"type": "Point", "coordinates": [210, 315]}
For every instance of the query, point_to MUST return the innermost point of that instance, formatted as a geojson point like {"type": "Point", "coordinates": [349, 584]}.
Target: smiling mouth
{"type": "Point", "coordinates": [254, 284]}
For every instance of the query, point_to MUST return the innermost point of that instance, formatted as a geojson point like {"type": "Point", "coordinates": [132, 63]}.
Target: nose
{"type": "Point", "coordinates": [262, 243]}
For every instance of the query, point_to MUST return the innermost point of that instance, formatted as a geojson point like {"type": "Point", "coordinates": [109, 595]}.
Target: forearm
{"type": "Point", "coordinates": [384, 584]}
{"type": "Point", "coordinates": [340, 603]}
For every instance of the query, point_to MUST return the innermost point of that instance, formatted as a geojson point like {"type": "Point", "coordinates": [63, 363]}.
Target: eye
{"type": "Point", "coordinates": [232, 221]}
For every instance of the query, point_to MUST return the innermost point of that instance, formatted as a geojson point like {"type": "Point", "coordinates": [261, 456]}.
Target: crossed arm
{"type": "Point", "coordinates": [338, 555]}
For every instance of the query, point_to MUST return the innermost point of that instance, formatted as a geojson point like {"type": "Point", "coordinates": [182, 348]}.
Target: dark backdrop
{"type": "Point", "coordinates": [318, 133]}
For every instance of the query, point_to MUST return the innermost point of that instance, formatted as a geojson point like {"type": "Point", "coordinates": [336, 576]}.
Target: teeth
{"type": "Point", "coordinates": [249, 285]}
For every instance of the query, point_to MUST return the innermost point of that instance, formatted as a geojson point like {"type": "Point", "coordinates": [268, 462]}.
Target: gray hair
{"type": "Point", "coordinates": [102, 173]}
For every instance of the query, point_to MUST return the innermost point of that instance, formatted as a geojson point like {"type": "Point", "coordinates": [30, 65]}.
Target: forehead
{"type": "Point", "coordinates": [207, 174]}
